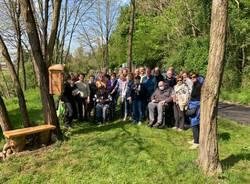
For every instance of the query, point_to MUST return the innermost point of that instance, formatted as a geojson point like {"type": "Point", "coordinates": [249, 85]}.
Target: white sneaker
{"type": "Point", "coordinates": [174, 128]}
{"type": "Point", "coordinates": [139, 123]}
{"type": "Point", "coordinates": [124, 119]}
{"type": "Point", "coordinates": [191, 142]}
{"type": "Point", "coordinates": [194, 146]}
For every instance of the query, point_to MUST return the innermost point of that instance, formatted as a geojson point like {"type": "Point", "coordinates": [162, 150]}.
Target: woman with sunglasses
{"type": "Point", "coordinates": [181, 97]}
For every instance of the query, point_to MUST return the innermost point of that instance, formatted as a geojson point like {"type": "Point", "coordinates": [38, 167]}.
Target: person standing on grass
{"type": "Point", "coordinates": [68, 99]}
{"type": "Point", "coordinates": [137, 97]}
{"type": "Point", "coordinates": [142, 72]}
{"type": "Point", "coordinates": [187, 80]}
{"type": "Point", "coordinates": [181, 97]}
{"type": "Point", "coordinates": [170, 79]}
{"type": "Point", "coordinates": [194, 110]}
{"type": "Point", "coordinates": [92, 89]}
{"type": "Point", "coordinates": [121, 89]}
{"type": "Point", "coordinates": [149, 81]}
{"type": "Point", "coordinates": [157, 73]}
{"type": "Point", "coordinates": [137, 72]}
{"type": "Point", "coordinates": [113, 94]}
{"type": "Point", "coordinates": [83, 97]}
{"type": "Point", "coordinates": [128, 101]}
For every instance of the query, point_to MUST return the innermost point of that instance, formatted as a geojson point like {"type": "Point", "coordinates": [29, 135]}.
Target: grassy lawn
{"type": "Point", "coordinates": [124, 153]}
{"type": "Point", "coordinates": [236, 96]}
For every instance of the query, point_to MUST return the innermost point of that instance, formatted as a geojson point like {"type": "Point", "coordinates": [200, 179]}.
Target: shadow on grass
{"type": "Point", "coordinates": [102, 128]}
{"type": "Point", "coordinates": [225, 136]}
{"type": "Point", "coordinates": [230, 161]}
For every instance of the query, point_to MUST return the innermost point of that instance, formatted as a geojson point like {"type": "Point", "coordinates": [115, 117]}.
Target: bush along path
{"type": "Point", "coordinates": [235, 112]}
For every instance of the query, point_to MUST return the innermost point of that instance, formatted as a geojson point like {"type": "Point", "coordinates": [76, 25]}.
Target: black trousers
{"type": "Point", "coordinates": [68, 115]}
{"type": "Point", "coordinates": [196, 132]}
{"type": "Point", "coordinates": [179, 117]}
{"type": "Point", "coordinates": [82, 102]}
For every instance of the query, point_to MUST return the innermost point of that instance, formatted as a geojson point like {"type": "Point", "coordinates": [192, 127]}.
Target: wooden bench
{"type": "Point", "coordinates": [19, 143]}
{"type": "Point", "coordinates": [27, 131]}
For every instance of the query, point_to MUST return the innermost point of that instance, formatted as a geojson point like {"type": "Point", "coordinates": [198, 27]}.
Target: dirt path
{"type": "Point", "coordinates": [238, 113]}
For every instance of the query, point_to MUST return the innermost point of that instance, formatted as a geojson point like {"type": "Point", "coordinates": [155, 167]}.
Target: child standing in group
{"type": "Point", "coordinates": [137, 97]}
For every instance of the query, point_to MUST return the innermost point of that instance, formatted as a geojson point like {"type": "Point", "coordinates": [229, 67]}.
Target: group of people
{"type": "Point", "coordinates": [163, 99]}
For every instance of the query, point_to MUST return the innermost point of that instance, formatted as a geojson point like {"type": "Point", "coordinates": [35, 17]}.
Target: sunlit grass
{"type": "Point", "coordinates": [121, 152]}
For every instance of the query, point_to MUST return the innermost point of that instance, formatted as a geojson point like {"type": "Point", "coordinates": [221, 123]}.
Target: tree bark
{"type": "Point", "coordinates": [32, 32]}
{"type": "Point", "coordinates": [23, 69]}
{"type": "Point", "coordinates": [130, 35]}
{"type": "Point", "coordinates": [54, 29]}
{"type": "Point", "coordinates": [4, 118]}
{"type": "Point", "coordinates": [15, 79]}
{"type": "Point", "coordinates": [106, 59]}
{"type": "Point", "coordinates": [209, 155]}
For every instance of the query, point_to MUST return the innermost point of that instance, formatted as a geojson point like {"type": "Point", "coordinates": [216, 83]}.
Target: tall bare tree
{"type": "Point", "coordinates": [15, 79]}
{"type": "Point", "coordinates": [41, 65]}
{"type": "Point", "coordinates": [209, 155]}
{"type": "Point", "coordinates": [130, 34]}
{"type": "Point", "coordinates": [99, 25]}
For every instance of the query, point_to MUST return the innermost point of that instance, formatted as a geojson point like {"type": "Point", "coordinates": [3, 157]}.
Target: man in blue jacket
{"type": "Point", "coordinates": [150, 84]}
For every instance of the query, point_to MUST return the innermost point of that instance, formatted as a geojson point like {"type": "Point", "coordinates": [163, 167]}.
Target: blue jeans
{"type": "Point", "coordinates": [137, 110]}
{"type": "Point", "coordinates": [125, 109]}
{"type": "Point", "coordinates": [102, 112]}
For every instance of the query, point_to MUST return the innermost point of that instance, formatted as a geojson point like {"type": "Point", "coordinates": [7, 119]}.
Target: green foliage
{"type": "Point", "coordinates": [30, 75]}
{"type": "Point", "coordinates": [164, 37]}
{"type": "Point", "coordinates": [241, 96]}
{"type": "Point", "coordinates": [120, 152]}
{"type": "Point", "coordinates": [190, 54]}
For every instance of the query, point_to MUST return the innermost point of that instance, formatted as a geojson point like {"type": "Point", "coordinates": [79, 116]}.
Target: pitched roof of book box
{"type": "Point", "coordinates": [56, 67]}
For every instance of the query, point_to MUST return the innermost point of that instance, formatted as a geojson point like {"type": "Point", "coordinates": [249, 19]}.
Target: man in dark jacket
{"type": "Point", "coordinates": [161, 97]}
{"type": "Point", "coordinates": [93, 89]}
{"type": "Point", "coordinates": [68, 98]}
{"type": "Point", "coordinates": [170, 79]}
{"type": "Point", "coordinates": [137, 95]}
{"type": "Point", "coordinates": [157, 73]}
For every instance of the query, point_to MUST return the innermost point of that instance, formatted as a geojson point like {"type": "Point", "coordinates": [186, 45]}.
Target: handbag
{"type": "Point", "coordinates": [61, 109]}
{"type": "Point", "coordinates": [191, 112]}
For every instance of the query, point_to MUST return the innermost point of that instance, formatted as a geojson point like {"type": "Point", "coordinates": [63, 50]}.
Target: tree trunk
{"type": "Point", "coordinates": [23, 69]}
{"type": "Point", "coordinates": [130, 34]}
{"type": "Point", "coordinates": [106, 59]}
{"type": "Point", "coordinates": [19, 91]}
{"type": "Point", "coordinates": [49, 109]}
{"type": "Point", "coordinates": [4, 118]}
{"type": "Point", "coordinates": [54, 29]}
{"type": "Point", "coordinates": [209, 155]}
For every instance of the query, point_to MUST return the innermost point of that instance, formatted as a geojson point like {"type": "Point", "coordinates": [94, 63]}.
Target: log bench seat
{"type": "Point", "coordinates": [27, 131]}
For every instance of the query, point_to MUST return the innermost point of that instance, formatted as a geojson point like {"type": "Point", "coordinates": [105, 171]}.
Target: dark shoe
{"type": "Point", "coordinates": [157, 125]}
{"type": "Point", "coordinates": [150, 124]}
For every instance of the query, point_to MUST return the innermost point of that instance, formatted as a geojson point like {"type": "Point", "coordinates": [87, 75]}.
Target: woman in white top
{"type": "Point", "coordinates": [181, 98]}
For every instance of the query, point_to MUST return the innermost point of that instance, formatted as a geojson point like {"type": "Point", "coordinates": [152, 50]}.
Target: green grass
{"type": "Point", "coordinates": [124, 153]}
{"type": "Point", "coordinates": [236, 96]}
